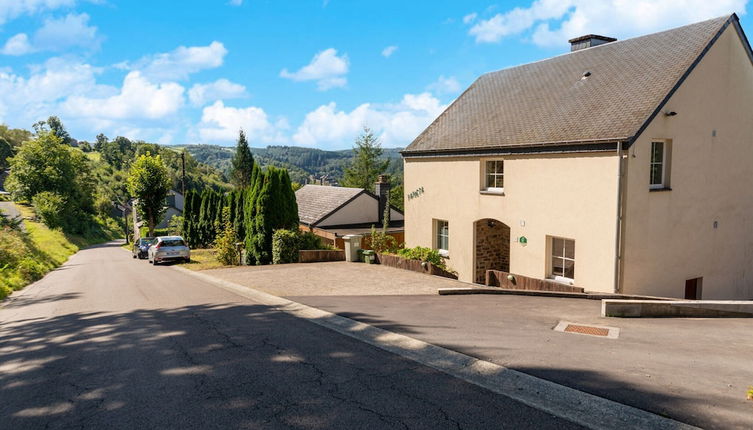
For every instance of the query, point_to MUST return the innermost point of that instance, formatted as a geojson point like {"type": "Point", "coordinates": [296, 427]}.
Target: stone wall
{"type": "Point", "coordinates": [492, 248]}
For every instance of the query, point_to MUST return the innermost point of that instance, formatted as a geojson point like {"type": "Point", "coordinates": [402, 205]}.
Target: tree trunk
{"type": "Point", "coordinates": [150, 223]}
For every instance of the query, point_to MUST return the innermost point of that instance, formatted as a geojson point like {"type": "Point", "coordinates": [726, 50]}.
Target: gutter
{"type": "Point", "coordinates": [619, 223]}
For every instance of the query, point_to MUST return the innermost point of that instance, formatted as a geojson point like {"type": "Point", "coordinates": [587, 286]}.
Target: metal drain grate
{"type": "Point", "coordinates": [587, 330]}
{"type": "Point", "coordinates": [584, 329]}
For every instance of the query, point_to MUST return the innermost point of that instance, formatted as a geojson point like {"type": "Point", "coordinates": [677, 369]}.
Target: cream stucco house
{"type": "Point", "coordinates": [623, 166]}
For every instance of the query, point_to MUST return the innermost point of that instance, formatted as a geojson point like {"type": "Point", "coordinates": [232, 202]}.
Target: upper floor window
{"type": "Point", "coordinates": [442, 238]}
{"type": "Point", "coordinates": [494, 175]}
{"type": "Point", "coordinates": [659, 170]}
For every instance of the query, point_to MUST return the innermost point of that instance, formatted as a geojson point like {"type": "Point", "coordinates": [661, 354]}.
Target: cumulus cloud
{"type": "Point", "coordinates": [397, 124]}
{"type": "Point", "coordinates": [11, 9]}
{"type": "Point", "coordinates": [445, 85]}
{"type": "Point", "coordinates": [179, 63]}
{"type": "Point", "coordinates": [17, 45]}
{"type": "Point", "coordinates": [470, 18]}
{"type": "Point", "coordinates": [221, 89]}
{"type": "Point", "coordinates": [553, 22]}
{"type": "Point", "coordinates": [326, 68]}
{"type": "Point", "coordinates": [138, 98]}
{"type": "Point", "coordinates": [388, 51]}
{"type": "Point", "coordinates": [221, 123]}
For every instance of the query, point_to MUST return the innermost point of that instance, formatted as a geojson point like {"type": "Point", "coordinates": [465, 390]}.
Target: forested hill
{"type": "Point", "coordinates": [301, 162]}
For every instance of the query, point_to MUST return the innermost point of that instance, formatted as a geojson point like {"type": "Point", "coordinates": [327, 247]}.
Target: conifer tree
{"type": "Point", "coordinates": [367, 163]}
{"type": "Point", "coordinates": [242, 164]}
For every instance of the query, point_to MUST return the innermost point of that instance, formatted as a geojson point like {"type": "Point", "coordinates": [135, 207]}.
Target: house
{"type": "Point", "coordinates": [174, 206]}
{"type": "Point", "coordinates": [333, 212]}
{"type": "Point", "coordinates": [622, 166]}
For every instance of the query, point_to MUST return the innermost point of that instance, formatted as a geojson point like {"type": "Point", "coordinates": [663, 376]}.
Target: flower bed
{"type": "Point", "coordinates": [320, 255]}
{"type": "Point", "coordinates": [413, 265]}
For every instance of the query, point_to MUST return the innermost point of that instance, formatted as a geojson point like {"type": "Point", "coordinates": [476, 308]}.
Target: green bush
{"type": "Point", "coordinates": [382, 242]}
{"type": "Point", "coordinates": [224, 244]}
{"type": "Point", "coordinates": [50, 207]}
{"type": "Point", "coordinates": [311, 241]}
{"type": "Point", "coordinates": [11, 247]}
{"type": "Point", "coordinates": [423, 254]}
{"type": "Point", "coordinates": [285, 246]}
{"type": "Point", "coordinates": [31, 270]}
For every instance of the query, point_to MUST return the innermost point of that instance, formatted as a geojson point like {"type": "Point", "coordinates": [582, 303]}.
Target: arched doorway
{"type": "Point", "coordinates": [492, 240]}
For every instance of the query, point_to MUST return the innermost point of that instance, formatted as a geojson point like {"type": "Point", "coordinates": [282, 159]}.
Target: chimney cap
{"type": "Point", "coordinates": [383, 179]}
{"type": "Point", "coordinates": [592, 36]}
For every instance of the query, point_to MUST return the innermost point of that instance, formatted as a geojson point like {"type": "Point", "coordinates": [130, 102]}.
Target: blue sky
{"type": "Point", "coordinates": [303, 72]}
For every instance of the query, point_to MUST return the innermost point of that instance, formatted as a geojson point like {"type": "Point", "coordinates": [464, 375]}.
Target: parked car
{"type": "Point", "coordinates": [169, 248]}
{"type": "Point", "coordinates": [141, 247]}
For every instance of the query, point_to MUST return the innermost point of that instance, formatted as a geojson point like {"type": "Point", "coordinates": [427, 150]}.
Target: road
{"type": "Point", "coordinates": [110, 342]}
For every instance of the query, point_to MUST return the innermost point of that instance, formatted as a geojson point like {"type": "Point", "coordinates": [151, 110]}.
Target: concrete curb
{"type": "Point", "coordinates": [677, 309]}
{"type": "Point", "coordinates": [576, 406]}
{"type": "Point", "coordinates": [561, 294]}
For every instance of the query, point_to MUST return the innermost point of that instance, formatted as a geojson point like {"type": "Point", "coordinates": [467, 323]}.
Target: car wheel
{"type": "Point", "coordinates": [134, 255]}
{"type": "Point", "coordinates": [188, 260]}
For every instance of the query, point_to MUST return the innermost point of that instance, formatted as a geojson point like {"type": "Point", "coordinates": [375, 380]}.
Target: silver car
{"type": "Point", "coordinates": [169, 248]}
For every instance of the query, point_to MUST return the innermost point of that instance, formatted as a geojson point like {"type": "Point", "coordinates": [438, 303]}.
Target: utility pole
{"type": "Point", "coordinates": [183, 177]}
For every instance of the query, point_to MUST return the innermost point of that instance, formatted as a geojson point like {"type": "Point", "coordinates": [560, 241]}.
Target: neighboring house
{"type": "Point", "coordinates": [333, 212]}
{"type": "Point", "coordinates": [624, 167]}
{"type": "Point", "coordinates": [174, 203]}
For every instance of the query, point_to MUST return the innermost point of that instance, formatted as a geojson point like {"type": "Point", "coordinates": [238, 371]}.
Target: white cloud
{"type": "Point", "coordinates": [553, 22]}
{"type": "Point", "coordinates": [137, 99]}
{"type": "Point", "coordinates": [17, 45]}
{"type": "Point", "coordinates": [11, 9]}
{"type": "Point", "coordinates": [180, 62]}
{"type": "Point", "coordinates": [221, 123]}
{"type": "Point", "coordinates": [397, 124]}
{"type": "Point", "coordinates": [56, 34]}
{"type": "Point", "coordinates": [235, 2]}
{"type": "Point", "coordinates": [221, 89]}
{"type": "Point", "coordinates": [388, 51]}
{"type": "Point", "coordinates": [470, 18]}
{"type": "Point", "coordinates": [445, 85]}
{"type": "Point", "coordinates": [326, 68]}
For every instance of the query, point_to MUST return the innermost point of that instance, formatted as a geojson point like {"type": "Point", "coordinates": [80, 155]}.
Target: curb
{"type": "Point", "coordinates": [564, 402]}
{"type": "Point", "coordinates": [561, 294]}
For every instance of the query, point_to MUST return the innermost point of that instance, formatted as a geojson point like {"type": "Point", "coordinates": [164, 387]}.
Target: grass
{"type": "Point", "coordinates": [203, 259]}
{"type": "Point", "coordinates": [26, 257]}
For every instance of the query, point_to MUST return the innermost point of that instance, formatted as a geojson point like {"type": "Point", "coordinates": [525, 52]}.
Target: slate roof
{"type": "Point", "coordinates": [317, 201]}
{"type": "Point", "coordinates": [550, 102]}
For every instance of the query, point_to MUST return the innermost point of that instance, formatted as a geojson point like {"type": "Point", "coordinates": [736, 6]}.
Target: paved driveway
{"type": "Point", "coordinates": [337, 278]}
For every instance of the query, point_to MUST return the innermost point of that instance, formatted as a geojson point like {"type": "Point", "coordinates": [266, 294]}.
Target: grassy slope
{"type": "Point", "coordinates": [41, 249]}
{"type": "Point", "coordinates": [203, 259]}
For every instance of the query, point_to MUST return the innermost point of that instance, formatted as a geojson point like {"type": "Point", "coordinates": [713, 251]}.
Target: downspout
{"type": "Point", "coordinates": [618, 229]}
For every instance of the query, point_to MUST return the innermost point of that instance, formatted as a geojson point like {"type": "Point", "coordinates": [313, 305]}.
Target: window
{"type": "Point", "coordinates": [659, 174]}
{"type": "Point", "coordinates": [563, 259]}
{"type": "Point", "coordinates": [442, 239]}
{"type": "Point", "coordinates": [494, 175]}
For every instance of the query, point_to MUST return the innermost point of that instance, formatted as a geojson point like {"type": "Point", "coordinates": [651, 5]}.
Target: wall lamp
{"type": "Point", "coordinates": [670, 113]}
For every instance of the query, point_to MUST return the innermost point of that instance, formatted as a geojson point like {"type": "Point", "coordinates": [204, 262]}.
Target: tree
{"type": "Point", "coordinates": [58, 129]}
{"type": "Point", "coordinates": [242, 164]}
{"type": "Point", "coordinates": [101, 142]}
{"type": "Point", "coordinates": [149, 183]}
{"type": "Point", "coordinates": [367, 164]}
{"type": "Point", "coordinates": [45, 165]}
{"type": "Point", "coordinates": [6, 151]}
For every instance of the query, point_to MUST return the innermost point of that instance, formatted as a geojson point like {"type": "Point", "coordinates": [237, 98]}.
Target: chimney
{"type": "Point", "coordinates": [589, 41]}
{"type": "Point", "coordinates": [383, 193]}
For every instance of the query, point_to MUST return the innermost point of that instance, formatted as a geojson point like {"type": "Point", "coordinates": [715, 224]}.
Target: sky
{"type": "Point", "coordinates": [297, 72]}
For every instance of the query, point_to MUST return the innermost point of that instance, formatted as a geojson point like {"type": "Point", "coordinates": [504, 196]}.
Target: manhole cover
{"type": "Point", "coordinates": [588, 329]}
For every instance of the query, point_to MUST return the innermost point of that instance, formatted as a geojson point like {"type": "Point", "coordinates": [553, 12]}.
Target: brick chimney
{"type": "Point", "coordinates": [588, 41]}
{"type": "Point", "coordinates": [382, 190]}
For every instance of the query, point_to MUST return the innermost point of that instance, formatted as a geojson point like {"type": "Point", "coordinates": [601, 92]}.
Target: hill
{"type": "Point", "coordinates": [301, 162]}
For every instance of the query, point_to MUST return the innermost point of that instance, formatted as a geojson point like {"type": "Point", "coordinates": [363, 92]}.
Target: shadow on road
{"type": "Point", "coordinates": [229, 366]}
{"type": "Point", "coordinates": [26, 300]}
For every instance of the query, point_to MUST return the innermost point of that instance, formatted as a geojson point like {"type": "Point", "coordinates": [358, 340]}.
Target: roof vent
{"type": "Point", "coordinates": [588, 41]}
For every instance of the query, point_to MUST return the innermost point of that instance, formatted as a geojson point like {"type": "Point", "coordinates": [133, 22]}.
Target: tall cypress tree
{"type": "Point", "coordinates": [205, 217]}
{"type": "Point", "coordinates": [250, 215]}
{"type": "Point", "coordinates": [242, 164]}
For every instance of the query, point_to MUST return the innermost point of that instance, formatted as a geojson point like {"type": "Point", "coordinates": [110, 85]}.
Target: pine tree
{"type": "Point", "coordinates": [367, 164]}
{"type": "Point", "coordinates": [242, 164]}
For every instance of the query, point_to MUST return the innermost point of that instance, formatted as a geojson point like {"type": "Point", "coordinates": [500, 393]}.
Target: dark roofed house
{"type": "Point", "coordinates": [621, 166]}
{"type": "Point", "coordinates": [333, 212]}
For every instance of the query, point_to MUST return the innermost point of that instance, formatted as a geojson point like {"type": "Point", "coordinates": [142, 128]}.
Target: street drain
{"type": "Point", "coordinates": [588, 330]}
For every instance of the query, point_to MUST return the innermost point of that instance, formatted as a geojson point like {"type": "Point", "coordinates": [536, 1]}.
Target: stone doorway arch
{"type": "Point", "coordinates": [492, 247]}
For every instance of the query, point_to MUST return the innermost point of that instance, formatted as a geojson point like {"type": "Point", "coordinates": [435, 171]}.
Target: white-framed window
{"type": "Point", "coordinates": [494, 176]}
{"type": "Point", "coordinates": [562, 259]}
{"type": "Point", "coordinates": [442, 237]}
{"type": "Point", "coordinates": [659, 168]}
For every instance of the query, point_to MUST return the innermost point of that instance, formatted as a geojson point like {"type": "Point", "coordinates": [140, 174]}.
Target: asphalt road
{"type": "Point", "coordinates": [110, 342]}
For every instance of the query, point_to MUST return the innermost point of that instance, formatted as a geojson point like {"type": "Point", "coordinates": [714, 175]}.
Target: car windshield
{"type": "Point", "coordinates": [173, 242]}
{"type": "Point", "coordinates": [145, 241]}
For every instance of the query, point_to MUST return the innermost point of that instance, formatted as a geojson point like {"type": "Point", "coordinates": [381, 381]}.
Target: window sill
{"type": "Point", "coordinates": [492, 192]}
{"type": "Point", "coordinates": [655, 190]}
